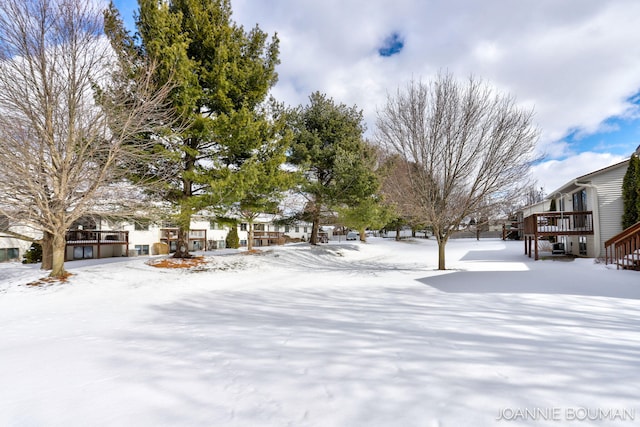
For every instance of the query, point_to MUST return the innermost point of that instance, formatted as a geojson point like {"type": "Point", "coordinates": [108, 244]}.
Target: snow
{"type": "Point", "coordinates": [345, 334]}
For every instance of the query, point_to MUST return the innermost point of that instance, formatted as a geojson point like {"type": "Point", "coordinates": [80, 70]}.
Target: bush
{"type": "Point", "coordinates": [232, 240]}
{"type": "Point", "coordinates": [33, 254]}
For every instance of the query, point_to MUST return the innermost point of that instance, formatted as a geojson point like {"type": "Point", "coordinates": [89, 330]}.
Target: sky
{"type": "Point", "coordinates": [575, 62]}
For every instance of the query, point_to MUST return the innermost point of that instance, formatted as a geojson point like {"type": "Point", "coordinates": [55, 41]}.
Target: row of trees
{"type": "Point", "coordinates": [178, 116]}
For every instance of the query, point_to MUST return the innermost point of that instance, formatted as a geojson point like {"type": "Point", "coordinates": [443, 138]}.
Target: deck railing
{"type": "Point", "coordinates": [623, 249]}
{"type": "Point", "coordinates": [555, 224]}
{"type": "Point", "coordinates": [104, 237]}
{"type": "Point", "coordinates": [559, 223]}
{"type": "Point", "coordinates": [268, 238]}
{"type": "Point", "coordinates": [197, 238]}
{"type": "Point", "coordinates": [267, 234]}
{"type": "Point", "coordinates": [172, 234]}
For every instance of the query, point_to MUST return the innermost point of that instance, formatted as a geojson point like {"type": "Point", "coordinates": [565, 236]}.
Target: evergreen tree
{"type": "Point", "coordinates": [631, 193]}
{"type": "Point", "coordinates": [233, 240]}
{"type": "Point", "coordinates": [221, 76]}
{"type": "Point", "coordinates": [33, 254]}
{"type": "Point", "coordinates": [264, 181]}
{"type": "Point", "coordinates": [396, 224]}
{"type": "Point", "coordinates": [367, 213]}
{"type": "Point", "coordinates": [358, 184]}
{"type": "Point", "coordinates": [328, 148]}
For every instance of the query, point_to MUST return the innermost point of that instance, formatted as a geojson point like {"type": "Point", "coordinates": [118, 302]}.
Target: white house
{"type": "Point", "coordinates": [12, 248]}
{"type": "Point", "coordinates": [100, 238]}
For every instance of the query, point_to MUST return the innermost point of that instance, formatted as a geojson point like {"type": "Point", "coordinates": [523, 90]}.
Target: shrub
{"type": "Point", "coordinates": [232, 240]}
{"type": "Point", "coordinates": [33, 254]}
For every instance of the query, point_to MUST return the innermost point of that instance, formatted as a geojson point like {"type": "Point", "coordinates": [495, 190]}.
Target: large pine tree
{"type": "Point", "coordinates": [221, 75]}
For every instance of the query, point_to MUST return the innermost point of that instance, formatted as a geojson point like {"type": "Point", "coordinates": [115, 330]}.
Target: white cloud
{"type": "Point", "coordinates": [577, 61]}
{"type": "Point", "coordinates": [553, 174]}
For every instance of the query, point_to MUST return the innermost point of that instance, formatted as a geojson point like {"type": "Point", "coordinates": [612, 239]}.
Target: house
{"type": "Point", "coordinates": [97, 237]}
{"type": "Point", "coordinates": [588, 213]}
{"type": "Point", "coordinates": [12, 248]}
{"type": "Point", "coordinates": [101, 238]}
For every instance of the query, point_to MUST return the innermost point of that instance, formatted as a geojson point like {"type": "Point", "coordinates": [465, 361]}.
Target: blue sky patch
{"type": "Point", "coordinates": [392, 45]}
{"type": "Point", "coordinates": [619, 135]}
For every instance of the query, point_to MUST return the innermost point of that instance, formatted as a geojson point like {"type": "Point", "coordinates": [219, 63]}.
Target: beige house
{"type": "Point", "coordinates": [588, 213]}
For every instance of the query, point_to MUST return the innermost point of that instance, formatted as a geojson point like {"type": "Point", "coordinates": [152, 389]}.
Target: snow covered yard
{"type": "Point", "coordinates": [345, 334]}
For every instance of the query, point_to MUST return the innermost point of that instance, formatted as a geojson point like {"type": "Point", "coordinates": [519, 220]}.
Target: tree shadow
{"type": "Point", "coordinates": [546, 277]}
{"type": "Point", "coordinates": [396, 356]}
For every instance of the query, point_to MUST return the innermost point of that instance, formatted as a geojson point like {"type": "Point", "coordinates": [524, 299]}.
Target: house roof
{"type": "Point", "coordinates": [574, 184]}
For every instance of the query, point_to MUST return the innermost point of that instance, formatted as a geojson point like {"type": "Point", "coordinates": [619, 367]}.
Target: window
{"type": "Point", "coordinates": [9, 254]}
{"type": "Point", "coordinates": [276, 228]}
{"type": "Point", "coordinates": [580, 205]}
{"type": "Point", "coordinates": [258, 227]}
{"type": "Point", "coordinates": [286, 229]}
{"type": "Point", "coordinates": [142, 249]}
{"type": "Point", "coordinates": [580, 201]}
{"type": "Point", "coordinates": [582, 245]}
{"type": "Point", "coordinates": [243, 226]}
{"type": "Point", "coordinates": [305, 229]}
{"type": "Point", "coordinates": [83, 252]}
{"type": "Point", "coordinates": [297, 229]}
{"type": "Point", "coordinates": [214, 225]}
{"type": "Point", "coordinates": [243, 243]}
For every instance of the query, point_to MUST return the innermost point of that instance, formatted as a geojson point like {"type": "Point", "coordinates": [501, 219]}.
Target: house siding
{"type": "Point", "coordinates": [611, 207]}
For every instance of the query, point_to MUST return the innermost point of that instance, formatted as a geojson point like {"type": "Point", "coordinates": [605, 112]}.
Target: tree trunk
{"type": "Point", "coordinates": [250, 238]}
{"type": "Point", "coordinates": [441, 244]}
{"type": "Point", "coordinates": [398, 233]}
{"type": "Point", "coordinates": [47, 251]}
{"type": "Point", "coordinates": [182, 245]}
{"type": "Point", "coordinates": [184, 219]}
{"type": "Point", "coordinates": [57, 258]}
{"type": "Point", "coordinates": [313, 239]}
{"type": "Point", "coordinates": [363, 235]}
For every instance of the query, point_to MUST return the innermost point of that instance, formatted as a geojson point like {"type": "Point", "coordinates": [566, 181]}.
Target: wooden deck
{"type": "Point", "coordinates": [96, 239]}
{"type": "Point", "coordinates": [170, 237]}
{"type": "Point", "coordinates": [555, 224]}
{"type": "Point", "coordinates": [268, 238]}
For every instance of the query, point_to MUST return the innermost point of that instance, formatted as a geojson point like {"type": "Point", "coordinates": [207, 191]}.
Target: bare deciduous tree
{"type": "Point", "coordinates": [460, 147]}
{"type": "Point", "coordinates": [67, 114]}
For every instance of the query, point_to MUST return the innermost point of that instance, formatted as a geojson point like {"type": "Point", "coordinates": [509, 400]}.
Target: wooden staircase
{"type": "Point", "coordinates": [623, 249]}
